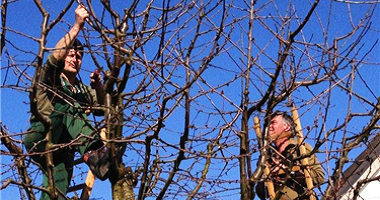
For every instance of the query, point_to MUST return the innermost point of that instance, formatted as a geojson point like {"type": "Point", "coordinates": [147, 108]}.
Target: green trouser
{"type": "Point", "coordinates": [68, 123]}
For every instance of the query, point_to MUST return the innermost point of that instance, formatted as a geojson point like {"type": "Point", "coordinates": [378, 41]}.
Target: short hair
{"type": "Point", "coordinates": [286, 119]}
{"type": "Point", "coordinates": [78, 46]}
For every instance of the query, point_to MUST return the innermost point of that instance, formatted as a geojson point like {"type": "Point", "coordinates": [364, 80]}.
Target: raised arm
{"type": "Point", "coordinates": [66, 41]}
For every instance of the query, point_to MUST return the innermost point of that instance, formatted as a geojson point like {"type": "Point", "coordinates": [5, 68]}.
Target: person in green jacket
{"type": "Point", "coordinates": [286, 173]}
{"type": "Point", "coordinates": [65, 101]}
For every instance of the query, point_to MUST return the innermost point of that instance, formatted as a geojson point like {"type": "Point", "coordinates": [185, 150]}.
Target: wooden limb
{"type": "Point", "coordinates": [89, 184]}
{"type": "Point", "coordinates": [90, 179]}
{"type": "Point", "coordinates": [304, 161]}
{"type": "Point", "coordinates": [268, 182]}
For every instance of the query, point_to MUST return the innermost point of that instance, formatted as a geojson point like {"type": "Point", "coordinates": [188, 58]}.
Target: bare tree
{"type": "Point", "coordinates": [184, 80]}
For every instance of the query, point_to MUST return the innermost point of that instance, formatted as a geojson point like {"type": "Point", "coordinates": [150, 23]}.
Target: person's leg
{"type": "Point", "coordinates": [63, 158]}
{"type": "Point", "coordinates": [77, 123]}
{"type": "Point", "coordinates": [63, 170]}
{"type": "Point", "coordinates": [34, 140]}
{"type": "Point", "coordinates": [94, 152]}
{"type": "Point", "coordinates": [68, 124]}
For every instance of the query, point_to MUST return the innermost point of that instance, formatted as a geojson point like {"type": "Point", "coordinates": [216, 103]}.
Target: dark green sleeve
{"type": "Point", "coordinates": [49, 78]}
{"type": "Point", "coordinates": [51, 71]}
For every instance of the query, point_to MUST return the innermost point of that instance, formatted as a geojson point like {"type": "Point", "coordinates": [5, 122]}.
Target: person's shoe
{"type": "Point", "coordinates": [98, 161]}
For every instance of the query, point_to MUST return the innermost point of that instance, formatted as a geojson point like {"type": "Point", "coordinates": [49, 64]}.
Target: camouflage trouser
{"type": "Point", "coordinates": [67, 124]}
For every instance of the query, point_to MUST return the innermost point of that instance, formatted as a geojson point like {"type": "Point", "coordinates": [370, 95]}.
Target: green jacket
{"type": "Point", "coordinates": [53, 89]}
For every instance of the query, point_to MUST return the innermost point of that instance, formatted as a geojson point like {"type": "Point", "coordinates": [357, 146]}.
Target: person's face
{"type": "Point", "coordinates": [73, 62]}
{"type": "Point", "coordinates": [277, 127]}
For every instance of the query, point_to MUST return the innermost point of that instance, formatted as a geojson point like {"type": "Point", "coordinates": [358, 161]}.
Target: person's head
{"type": "Point", "coordinates": [281, 126]}
{"type": "Point", "coordinates": [73, 59]}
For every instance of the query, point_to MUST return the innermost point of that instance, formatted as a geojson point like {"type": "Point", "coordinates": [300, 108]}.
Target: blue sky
{"type": "Point", "coordinates": [25, 18]}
